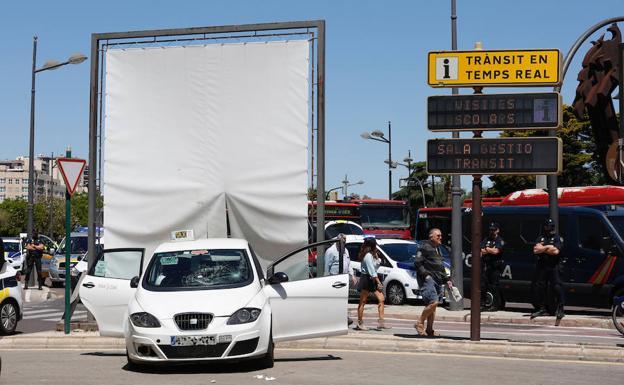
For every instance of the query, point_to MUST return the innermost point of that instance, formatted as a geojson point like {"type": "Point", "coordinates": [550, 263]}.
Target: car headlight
{"type": "Point", "coordinates": [243, 316]}
{"type": "Point", "coordinates": [413, 273]}
{"type": "Point", "coordinates": [144, 320]}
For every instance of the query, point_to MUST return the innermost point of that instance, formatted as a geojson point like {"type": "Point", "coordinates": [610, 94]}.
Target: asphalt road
{"type": "Point", "coordinates": [304, 367]}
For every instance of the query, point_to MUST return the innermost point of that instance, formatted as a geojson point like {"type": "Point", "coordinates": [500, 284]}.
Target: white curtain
{"type": "Point", "coordinates": [189, 130]}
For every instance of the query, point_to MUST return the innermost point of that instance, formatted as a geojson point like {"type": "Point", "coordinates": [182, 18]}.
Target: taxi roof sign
{"type": "Point", "coordinates": [182, 235]}
{"type": "Point", "coordinates": [495, 68]}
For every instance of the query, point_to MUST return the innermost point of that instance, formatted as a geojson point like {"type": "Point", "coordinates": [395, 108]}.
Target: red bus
{"type": "Point", "coordinates": [385, 218]}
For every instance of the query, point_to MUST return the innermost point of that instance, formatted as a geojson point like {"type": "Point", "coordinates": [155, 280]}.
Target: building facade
{"type": "Point", "coordinates": [48, 180]}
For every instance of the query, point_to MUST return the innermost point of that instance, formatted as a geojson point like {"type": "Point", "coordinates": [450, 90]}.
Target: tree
{"type": "Point", "coordinates": [413, 193]}
{"type": "Point", "coordinates": [14, 214]}
{"type": "Point", "coordinates": [581, 162]}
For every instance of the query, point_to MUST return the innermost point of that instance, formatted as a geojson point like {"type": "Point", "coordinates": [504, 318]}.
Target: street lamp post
{"type": "Point", "coordinates": [49, 65]}
{"type": "Point", "coordinates": [344, 187]}
{"type": "Point", "coordinates": [408, 165]}
{"type": "Point", "coordinates": [379, 136]}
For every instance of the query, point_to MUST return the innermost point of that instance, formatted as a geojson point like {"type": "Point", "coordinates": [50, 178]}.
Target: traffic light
{"type": "Point", "coordinates": [598, 78]}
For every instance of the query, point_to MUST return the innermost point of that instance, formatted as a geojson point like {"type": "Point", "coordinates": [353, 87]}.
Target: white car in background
{"type": "Point", "coordinates": [11, 299]}
{"type": "Point", "coordinates": [397, 270]}
{"type": "Point", "coordinates": [14, 255]}
{"type": "Point", "coordinates": [209, 299]}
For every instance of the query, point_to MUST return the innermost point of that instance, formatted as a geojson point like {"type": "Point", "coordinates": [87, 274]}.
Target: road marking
{"type": "Point", "coordinates": [52, 314]}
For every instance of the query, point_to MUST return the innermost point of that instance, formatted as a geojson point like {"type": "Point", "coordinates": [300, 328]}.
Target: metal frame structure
{"type": "Point", "coordinates": [101, 41]}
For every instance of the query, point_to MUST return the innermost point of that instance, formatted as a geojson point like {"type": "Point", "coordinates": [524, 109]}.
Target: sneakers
{"type": "Point", "coordinates": [539, 313]}
{"type": "Point", "coordinates": [381, 324]}
{"type": "Point", "coordinates": [360, 326]}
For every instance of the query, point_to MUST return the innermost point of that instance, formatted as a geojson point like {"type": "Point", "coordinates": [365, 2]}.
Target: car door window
{"type": "Point", "coordinates": [302, 263]}
{"type": "Point", "coordinates": [591, 232]}
{"type": "Point", "coordinates": [354, 250]}
{"type": "Point", "coordinates": [122, 264]}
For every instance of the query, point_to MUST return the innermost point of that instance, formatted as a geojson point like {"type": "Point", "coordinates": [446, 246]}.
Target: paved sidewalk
{"type": "Point", "coordinates": [515, 316]}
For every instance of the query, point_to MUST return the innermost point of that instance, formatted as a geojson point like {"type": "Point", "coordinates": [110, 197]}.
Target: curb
{"type": "Point", "coordinates": [605, 323]}
{"type": "Point", "coordinates": [357, 341]}
{"type": "Point", "coordinates": [547, 350]}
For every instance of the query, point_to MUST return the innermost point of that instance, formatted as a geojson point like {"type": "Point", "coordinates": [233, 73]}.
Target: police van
{"type": "Point", "coordinates": [591, 265]}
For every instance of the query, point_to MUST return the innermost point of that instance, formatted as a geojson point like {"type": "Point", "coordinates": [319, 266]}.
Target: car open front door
{"type": "Point", "coordinates": [306, 306]}
{"type": "Point", "coordinates": [105, 290]}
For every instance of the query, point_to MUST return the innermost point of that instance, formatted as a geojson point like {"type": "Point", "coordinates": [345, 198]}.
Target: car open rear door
{"type": "Point", "coordinates": [105, 290]}
{"type": "Point", "coordinates": [305, 306]}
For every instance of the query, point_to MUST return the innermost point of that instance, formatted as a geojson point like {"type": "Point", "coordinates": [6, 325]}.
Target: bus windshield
{"type": "Point", "coordinates": [384, 216]}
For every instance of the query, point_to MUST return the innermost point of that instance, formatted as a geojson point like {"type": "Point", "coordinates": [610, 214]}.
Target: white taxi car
{"type": "Point", "coordinates": [11, 299]}
{"type": "Point", "coordinates": [209, 299]}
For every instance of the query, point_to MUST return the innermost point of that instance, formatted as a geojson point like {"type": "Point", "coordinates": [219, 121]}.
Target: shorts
{"type": "Point", "coordinates": [430, 291]}
{"type": "Point", "coordinates": [366, 282]}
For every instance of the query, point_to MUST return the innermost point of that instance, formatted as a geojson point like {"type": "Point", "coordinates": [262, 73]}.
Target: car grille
{"type": "Point", "coordinates": [193, 321]}
{"type": "Point", "coordinates": [199, 351]}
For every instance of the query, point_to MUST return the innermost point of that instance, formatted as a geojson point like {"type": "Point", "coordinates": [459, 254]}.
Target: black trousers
{"type": "Point", "coordinates": [545, 277]}
{"type": "Point", "coordinates": [30, 262]}
{"type": "Point", "coordinates": [490, 281]}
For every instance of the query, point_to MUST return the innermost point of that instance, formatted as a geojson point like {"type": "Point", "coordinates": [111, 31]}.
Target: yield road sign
{"type": "Point", "coordinates": [495, 68]}
{"type": "Point", "coordinates": [71, 170]}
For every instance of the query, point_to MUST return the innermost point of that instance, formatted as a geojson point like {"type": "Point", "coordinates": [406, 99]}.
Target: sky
{"type": "Point", "coordinates": [376, 69]}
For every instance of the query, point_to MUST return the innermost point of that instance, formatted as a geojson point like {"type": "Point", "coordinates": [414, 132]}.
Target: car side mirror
{"type": "Point", "coordinates": [134, 282]}
{"type": "Point", "coordinates": [278, 277]}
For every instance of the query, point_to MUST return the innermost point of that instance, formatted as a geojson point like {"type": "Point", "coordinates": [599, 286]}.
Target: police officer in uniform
{"type": "Point", "coordinates": [34, 250]}
{"type": "Point", "coordinates": [492, 257]}
{"type": "Point", "coordinates": [548, 251]}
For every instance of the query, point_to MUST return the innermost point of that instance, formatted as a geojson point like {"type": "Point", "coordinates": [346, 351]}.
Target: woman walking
{"type": "Point", "coordinates": [369, 282]}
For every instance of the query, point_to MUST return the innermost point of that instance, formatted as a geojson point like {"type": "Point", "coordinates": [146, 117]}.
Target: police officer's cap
{"type": "Point", "coordinates": [494, 226]}
{"type": "Point", "coordinates": [549, 224]}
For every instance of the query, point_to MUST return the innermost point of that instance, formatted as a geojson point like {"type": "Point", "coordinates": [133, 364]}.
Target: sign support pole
{"type": "Point", "coordinates": [477, 217]}
{"type": "Point", "coordinates": [475, 289]}
{"type": "Point", "coordinates": [67, 253]}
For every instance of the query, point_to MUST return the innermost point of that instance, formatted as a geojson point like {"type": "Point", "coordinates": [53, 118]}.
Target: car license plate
{"type": "Point", "coordinates": [193, 340]}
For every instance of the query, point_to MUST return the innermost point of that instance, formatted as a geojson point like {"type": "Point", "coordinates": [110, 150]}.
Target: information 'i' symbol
{"type": "Point", "coordinates": [447, 75]}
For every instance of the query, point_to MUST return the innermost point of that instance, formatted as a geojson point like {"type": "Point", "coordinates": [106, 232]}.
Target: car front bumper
{"type": "Point", "coordinates": [153, 345]}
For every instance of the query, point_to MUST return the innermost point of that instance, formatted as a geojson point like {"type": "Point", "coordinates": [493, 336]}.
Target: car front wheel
{"type": "Point", "coordinates": [8, 317]}
{"type": "Point", "coordinates": [395, 295]}
{"type": "Point", "coordinates": [267, 361]}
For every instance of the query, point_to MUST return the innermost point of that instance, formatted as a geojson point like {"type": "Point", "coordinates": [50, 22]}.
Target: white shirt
{"type": "Point", "coordinates": [332, 260]}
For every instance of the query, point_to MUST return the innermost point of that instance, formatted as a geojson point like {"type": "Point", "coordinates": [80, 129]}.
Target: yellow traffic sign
{"type": "Point", "coordinates": [495, 68]}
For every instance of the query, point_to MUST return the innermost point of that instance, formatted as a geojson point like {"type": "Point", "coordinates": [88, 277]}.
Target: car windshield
{"type": "Point", "coordinates": [198, 269]}
{"type": "Point", "coordinates": [384, 217]}
{"type": "Point", "coordinates": [78, 245]}
{"type": "Point", "coordinates": [401, 252]}
{"type": "Point", "coordinates": [11, 247]}
{"type": "Point", "coordinates": [344, 228]}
